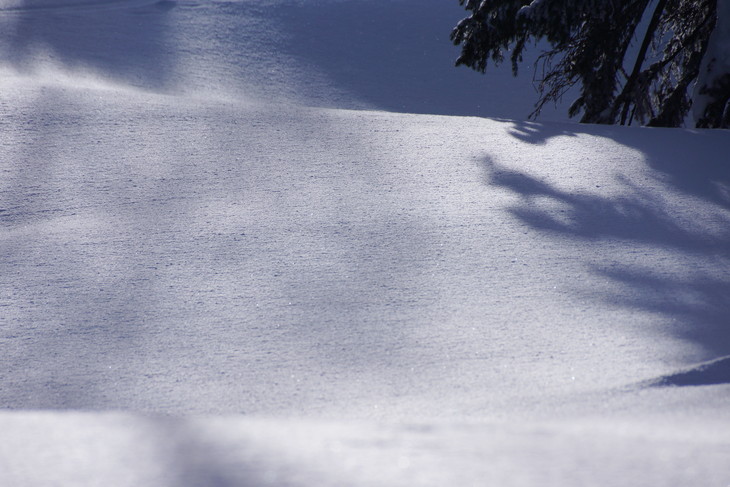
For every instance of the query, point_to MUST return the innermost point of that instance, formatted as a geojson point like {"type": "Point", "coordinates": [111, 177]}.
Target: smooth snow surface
{"type": "Point", "coordinates": [268, 235]}
{"type": "Point", "coordinates": [98, 449]}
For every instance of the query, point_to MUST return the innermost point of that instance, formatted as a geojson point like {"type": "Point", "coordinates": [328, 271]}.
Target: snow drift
{"type": "Point", "coordinates": [195, 222]}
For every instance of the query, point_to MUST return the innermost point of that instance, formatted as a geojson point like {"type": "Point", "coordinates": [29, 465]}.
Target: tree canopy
{"type": "Point", "coordinates": [641, 61]}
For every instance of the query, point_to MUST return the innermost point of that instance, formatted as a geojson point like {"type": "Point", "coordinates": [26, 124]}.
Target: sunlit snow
{"type": "Point", "coordinates": [286, 242]}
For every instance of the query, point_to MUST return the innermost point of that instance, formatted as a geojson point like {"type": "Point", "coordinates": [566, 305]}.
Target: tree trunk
{"type": "Point", "coordinates": [628, 93]}
{"type": "Point", "coordinates": [711, 104]}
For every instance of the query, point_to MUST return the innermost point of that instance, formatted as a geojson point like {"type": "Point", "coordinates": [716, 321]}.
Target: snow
{"type": "Point", "coordinates": [264, 243]}
{"type": "Point", "coordinates": [242, 451]}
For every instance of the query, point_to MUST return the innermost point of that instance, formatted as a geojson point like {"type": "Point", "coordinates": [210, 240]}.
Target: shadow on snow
{"type": "Point", "coordinates": [690, 164]}
{"type": "Point", "coordinates": [128, 41]}
{"type": "Point", "coordinates": [708, 373]}
{"type": "Point", "coordinates": [397, 56]}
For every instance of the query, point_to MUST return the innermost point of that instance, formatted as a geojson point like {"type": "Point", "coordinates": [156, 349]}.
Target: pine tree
{"type": "Point", "coordinates": [631, 60]}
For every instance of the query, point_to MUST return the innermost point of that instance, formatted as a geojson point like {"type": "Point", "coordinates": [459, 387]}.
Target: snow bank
{"type": "Point", "coordinates": [186, 231]}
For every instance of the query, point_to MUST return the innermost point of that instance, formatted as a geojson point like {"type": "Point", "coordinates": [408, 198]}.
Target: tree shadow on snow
{"type": "Point", "coordinates": [705, 174]}
{"type": "Point", "coordinates": [691, 165]}
{"type": "Point", "coordinates": [639, 218]}
{"type": "Point", "coordinates": [127, 41]}
{"type": "Point", "coordinates": [397, 56]}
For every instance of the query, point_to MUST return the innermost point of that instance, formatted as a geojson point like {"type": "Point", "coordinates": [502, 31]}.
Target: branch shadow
{"type": "Point", "coordinates": [698, 304]}
{"type": "Point", "coordinates": [639, 217]}
{"type": "Point", "coordinates": [691, 161]}
{"type": "Point", "coordinates": [687, 168]}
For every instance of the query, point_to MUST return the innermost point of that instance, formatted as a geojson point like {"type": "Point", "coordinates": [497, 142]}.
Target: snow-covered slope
{"type": "Point", "coordinates": [383, 54]}
{"type": "Point", "coordinates": [131, 450]}
{"type": "Point", "coordinates": [194, 221]}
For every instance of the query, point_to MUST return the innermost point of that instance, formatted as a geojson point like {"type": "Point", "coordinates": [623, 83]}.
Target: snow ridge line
{"type": "Point", "coordinates": [80, 6]}
{"type": "Point", "coordinates": [713, 372]}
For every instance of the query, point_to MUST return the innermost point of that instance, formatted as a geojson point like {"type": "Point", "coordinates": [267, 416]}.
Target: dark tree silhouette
{"type": "Point", "coordinates": [645, 61]}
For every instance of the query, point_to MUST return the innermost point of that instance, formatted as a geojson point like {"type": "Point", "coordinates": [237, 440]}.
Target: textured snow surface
{"type": "Point", "coordinates": [220, 223]}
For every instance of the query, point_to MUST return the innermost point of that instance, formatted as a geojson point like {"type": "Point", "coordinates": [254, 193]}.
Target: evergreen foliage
{"type": "Point", "coordinates": [632, 60]}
